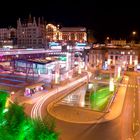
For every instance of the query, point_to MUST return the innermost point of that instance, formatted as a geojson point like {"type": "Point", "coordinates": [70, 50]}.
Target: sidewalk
{"type": "Point", "coordinates": [81, 115]}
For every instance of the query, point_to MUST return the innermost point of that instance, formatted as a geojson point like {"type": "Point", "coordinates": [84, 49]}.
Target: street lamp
{"type": "Point", "coordinates": [134, 33]}
{"type": "Point", "coordinates": [111, 84]}
{"type": "Point", "coordinates": [119, 72]}
{"type": "Point", "coordinates": [133, 37]}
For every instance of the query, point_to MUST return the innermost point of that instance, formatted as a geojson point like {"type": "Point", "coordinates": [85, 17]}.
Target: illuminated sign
{"type": "Point", "coordinates": [62, 58]}
{"type": "Point", "coordinates": [81, 44]}
{"type": "Point", "coordinates": [53, 44]}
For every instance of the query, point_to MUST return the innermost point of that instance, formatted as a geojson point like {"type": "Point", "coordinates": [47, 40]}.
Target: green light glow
{"type": "Point", "coordinates": [100, 99]}
{"type": "Point", "coordinates": [15, 125]}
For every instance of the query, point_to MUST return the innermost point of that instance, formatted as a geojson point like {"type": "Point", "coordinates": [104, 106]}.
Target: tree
{"type": "Point", "coordinates": [16, 125]}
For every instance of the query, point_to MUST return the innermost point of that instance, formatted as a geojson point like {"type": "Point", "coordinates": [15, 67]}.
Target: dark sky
{"type": "Point", "coordinates": [115, 18]}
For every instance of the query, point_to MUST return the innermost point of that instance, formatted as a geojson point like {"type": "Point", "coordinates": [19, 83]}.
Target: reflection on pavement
{"type": "Point", "coordinates": [76, 98]}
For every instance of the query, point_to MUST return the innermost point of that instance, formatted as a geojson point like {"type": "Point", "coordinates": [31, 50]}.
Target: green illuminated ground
{"type": "Point", "coordinates": [15, 125]}
{"type": "Point", "coordinates": [100, 98]}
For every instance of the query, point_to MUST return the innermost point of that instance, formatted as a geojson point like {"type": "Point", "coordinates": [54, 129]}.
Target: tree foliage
{"type": "Point", "coordinates": [15, 125]}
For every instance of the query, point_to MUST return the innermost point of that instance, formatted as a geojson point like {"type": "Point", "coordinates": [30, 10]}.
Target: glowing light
{"type": "Point", "coordinates": [7, 103]}
{"type": "Point", "coordinates": [5, 110]}
{"type": "Point", "coordinates": [111, 84]}
{"type": "Point", "coordinates": [109, 60]}
{"type": "Point", "coordinates": [130, 59]}
{"type": "Point", "coordinates": [56, 78]}
{"type": "Point", "coordinates": [12, 93]}
{"type": "Point", "coordinates": [124, 62]}
{"type": "Point", "coordinates": [134, 32]}
{"type": "Point", "coordinates": [135, 62]}
{"type": "Point", "coordinates": [82, 104]}
{"type": "Point", "coordinates": [119, 71]}
{"type": "Point", "coordinates": [107, 38]}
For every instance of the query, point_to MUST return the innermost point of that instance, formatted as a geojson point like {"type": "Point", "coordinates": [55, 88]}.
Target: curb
{"type": "Point", "coordinates": [100, 120]}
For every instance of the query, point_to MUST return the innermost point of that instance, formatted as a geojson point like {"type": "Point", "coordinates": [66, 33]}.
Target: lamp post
{"type": "Point", "coordinates": [111, 84]}
{"type": "Point", "coordinates": [133, 37]}
{"type": "Point", "coordinates": [107, 39]}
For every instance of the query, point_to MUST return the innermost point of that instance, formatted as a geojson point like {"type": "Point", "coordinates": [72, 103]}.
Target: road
{"type": "Point", "coordinates": [37, 108]}
{"type": "Point", "coordinates": [129, 117]}
{"type": "Point", "coordinates": [125, 127]}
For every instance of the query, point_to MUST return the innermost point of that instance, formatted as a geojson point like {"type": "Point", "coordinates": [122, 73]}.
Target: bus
{"type": "Point", "coordinates": [32, 89]}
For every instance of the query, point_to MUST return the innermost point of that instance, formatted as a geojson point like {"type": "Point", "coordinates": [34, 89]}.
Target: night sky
{"type": "Point", "coordinates": [116, 19]}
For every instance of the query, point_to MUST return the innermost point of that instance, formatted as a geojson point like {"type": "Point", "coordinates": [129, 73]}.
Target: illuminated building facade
{"type": "Point", "coordinates": [97, 57]}
{"type": "Point", "coordinates": [109, 58]}
{"type": "Point", "coordinates": [53, 33]}
{"type": "Point", "coordinates": [7, 36]}
{"type": "Point", "coordinates": [118, 42]}
{"type": "Point", "coordinates": [31, 34]}
{"type": "Point", "coordinates": [76, 34]}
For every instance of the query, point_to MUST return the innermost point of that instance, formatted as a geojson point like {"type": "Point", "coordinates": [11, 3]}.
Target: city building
{"type": "Point", "coordinates": [109, 58]}
{"type": "Point", "coordinates": [97, 57]}
{"type": "Point", "coordinates": [53, 33]}
{"type": "Point", "coordinates": [77, 34]}
{"type": "Point", "coordinates": [31, 34]}
{"type": "Point", "coordinates": [118, 42]}
{"type": "Point", "coordinates": [7, 37]}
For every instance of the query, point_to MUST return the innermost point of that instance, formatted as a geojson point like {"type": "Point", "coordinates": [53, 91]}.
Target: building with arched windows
{"type": "Point", "coordinates": [31, 33]}
{"type": "Point", "coordinates": [75, 34]}
{"type": "Point", "coordinates": [53, 33]}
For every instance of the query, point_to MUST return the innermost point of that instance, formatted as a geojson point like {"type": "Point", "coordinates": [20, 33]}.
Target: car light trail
{"type": "Point", "coordinates": [36, 110]}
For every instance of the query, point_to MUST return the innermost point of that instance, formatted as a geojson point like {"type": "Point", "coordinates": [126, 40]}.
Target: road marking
{"type": "Point", "coordinates": [134, 93]}
{"type": "Point", "coordinates": [134, 115]}
{"type": "Point", "coordinates": [137, 123]}
{"type": "Point", "coordinates": [130, 138]}
{"type": "Point", "coordinates": [138, 130]}
{"type": "Point", "coordinates": [133, 126]}
{"type": "Point", "coordinates": [134, 106]}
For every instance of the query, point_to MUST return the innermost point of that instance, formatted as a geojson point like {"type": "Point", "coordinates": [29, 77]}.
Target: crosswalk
{"type": "Point", "coordinates": [129, 85]}
{"type": "Point", "coordinates": [131, 138]}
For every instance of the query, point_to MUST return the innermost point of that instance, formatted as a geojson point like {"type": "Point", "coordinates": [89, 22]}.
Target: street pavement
{"type": "Point", "coordinates": [122, 123]}
{"type": "Point", "coordinates": [82, 115]}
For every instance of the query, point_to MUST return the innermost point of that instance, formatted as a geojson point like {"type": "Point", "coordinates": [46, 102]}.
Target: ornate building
{"type": "Point", "coordinates": [31, 34]}
{"type": "Point", "coordinates": [53, 33]}
{"type": "Point", "coordinates": [76, 34]}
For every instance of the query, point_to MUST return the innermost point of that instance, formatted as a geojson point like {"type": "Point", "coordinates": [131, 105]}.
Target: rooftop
{"type": "Point", "coordinates": [76, 29]}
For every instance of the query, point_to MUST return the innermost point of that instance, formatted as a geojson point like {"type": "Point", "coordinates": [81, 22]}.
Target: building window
{"type": "Point", "coordinates": [111, 56]}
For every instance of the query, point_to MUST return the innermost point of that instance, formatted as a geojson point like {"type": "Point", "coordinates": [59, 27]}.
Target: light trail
{"type": "Point", "coordinates": [36, 110]}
